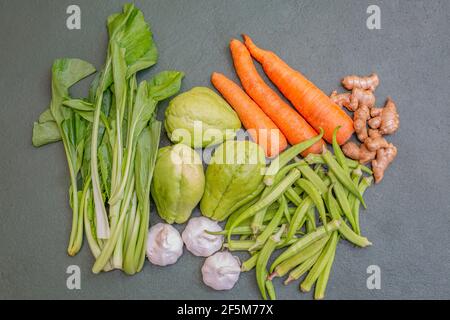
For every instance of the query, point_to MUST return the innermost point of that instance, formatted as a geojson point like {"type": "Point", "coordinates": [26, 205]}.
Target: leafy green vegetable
{"type": "Point", "coordinates": [61, 123]}
{"type": "Point", "coordinates": [111, 140]}
{"type": "Point", "coordinates": [146, 152]}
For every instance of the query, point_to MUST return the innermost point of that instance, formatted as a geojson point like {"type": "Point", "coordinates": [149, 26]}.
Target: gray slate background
{"type": "Point", "coordinates": [408, 216]}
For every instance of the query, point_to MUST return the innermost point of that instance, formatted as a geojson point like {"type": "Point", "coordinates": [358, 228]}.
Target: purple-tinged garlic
{"type": "Point", "coordinates": [164, 244]}
{"type": "Point", "coordinates": [198, 241]}
{"type": "Point", "coordinates": [221, 271]}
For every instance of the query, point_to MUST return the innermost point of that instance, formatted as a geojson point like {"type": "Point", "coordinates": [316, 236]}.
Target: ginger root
{"type": "Point", "coordinates": [386, 119]}
{"type": "Point", "coordinates": [375, 140]}
{"type": "Point", "coordinates": [361, 97]}
{"type": "Point", "coordinates": [384, 158]}
{"type": "Point", "coordinates": [360, 117]}
{"type": "Point", "coordinates": [341, 99]}
{"type": "Point", "coordinates": [360, 153]}
{"type": "Point", "coordinates": [367, 83]}
{"type": "Point", "coordinates": [353, 100]}
{"type": "Point", "coordinates": [381, 121]}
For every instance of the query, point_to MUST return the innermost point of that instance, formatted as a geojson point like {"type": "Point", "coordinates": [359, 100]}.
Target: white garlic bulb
{"type": "Point", "coordinates": [164, 244]}
{"type": "Point", "coordinates": [198, 241]}
{"type": "Point", "coordinates": [221, 271]}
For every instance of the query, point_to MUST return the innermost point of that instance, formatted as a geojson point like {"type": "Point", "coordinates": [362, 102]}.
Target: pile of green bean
{"type": "Point", "coordinates": [284, 216]}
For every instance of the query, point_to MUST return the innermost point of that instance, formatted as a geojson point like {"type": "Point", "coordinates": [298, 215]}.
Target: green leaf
{"type": "Point", "coordinates": [143, 109]}
{"type": "Point", "coordinates": [146, 152]}
{"type": "Point", "coordinates": [132, 33]}
{"type": "Point", "coordinates": [78, 104]}
{"type": "Point", "coordinates": [46, 116]}
{"type": "Point", "coordinates": [104, 160]}
{"type": "Point", "coordinates": [119, 68]}
{"type": "Point", "coordinates": [45, 133]}
{"type": "Point", "coordinates": [65, 73]}
{"type": "Point", "coordinates": [165, 84]}
{"type": "Point", "coordinates": [146, 61]}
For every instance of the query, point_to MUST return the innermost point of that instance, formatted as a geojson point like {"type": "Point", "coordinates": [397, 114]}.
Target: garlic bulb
{"type": "Point", "coordinates": [221, 271]}
{"type": "Point", "coordinates": [164, 244]}
{"type": "Point", "coordinates": [199, 242]}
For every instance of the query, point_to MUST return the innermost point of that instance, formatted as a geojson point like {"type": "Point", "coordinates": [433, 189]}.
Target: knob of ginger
{"type": "Point", "coordinates": [367, 83]}
{"type": "Point", "coordinates": [386, 119]}
{"type": "Point", "coordinates": [360, 153]}
{"type": "Point", "coordinates": [384, 158]}
{"type": "Point", "coordinates": [360, 117]}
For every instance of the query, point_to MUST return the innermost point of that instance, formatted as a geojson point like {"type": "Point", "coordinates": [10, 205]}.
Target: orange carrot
{"type": "Point", "coordinates": [261, 129]}
{"type": "Point", "coordinates": [293, 126]}
{"type": "Point", "coordinates": [314, 105]}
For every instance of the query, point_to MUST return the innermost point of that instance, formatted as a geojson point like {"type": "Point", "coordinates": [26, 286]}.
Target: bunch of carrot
{"type": "Point", "coordinates": [271, 122]}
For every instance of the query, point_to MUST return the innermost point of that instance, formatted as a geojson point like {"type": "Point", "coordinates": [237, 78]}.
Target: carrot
{"type": "Point", "coordinates": [261, 129]}
{"type": "Point", "coordinates": [314, 105]}
{"type": "Point", "coordinates": [293, 126]}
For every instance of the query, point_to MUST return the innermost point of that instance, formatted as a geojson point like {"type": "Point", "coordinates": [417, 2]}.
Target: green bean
{"type": "Point", "coordinates": [298, 190]}
{"type": "Point", "coordinates": [352, 164]}
{"type": "Point", "coordinates": [287, 212]}
{"type": "Point", "coordinates": [322, 281]}
{"type": "Point", "coordinates": [240, 230]}
{"type": "Point", "coordinates": [263, 259]}
{"type": "Point", "coordinates": [267, 200]}
{"type": "Point", "coordinates": [366, 169]}
{"type": "Point", "coordinates": [238, 212]}
{"type": "Point", "coordinates": [283, 172]}
{"type": "Point", "coordinates": [313, 177]}
{"type": "Point", "coordinates": [311, 220]}
{"type": "Point", "coordinates": [271, 290]}
{"type": "Point", "coordinates": [315, 196]}
{"type": "Point", "coordinates": [258, 219]}
{"type": "Point", "coordinates": [345, 230]}
{"type": "Point", "coordinates": [303, 242]}
{"type": "Point", "coordinates": [286, 156]}
{"type": "Point", "coordinates": [340, 157]}
{"type": "Point", "coordinates": [320, 264]}
{"type": "Point", "coordinates": [250, 263]}
{"type": "Point", "coordinates": [356, 176]}
{"type": "Point", "coordinates": [297, 259]}
{"type": "Point", "coordinates": [268, 231]}
{"type": "Point", "coordinates": [302, 269]}
{"type": "Point", "coordinates": [293, 196]}
{"type": "Point", "coordinates": [341, 175]}
{"type": "Point", "coordinates": [364, 184]}
{"type": "Point", "coordinates": [342, 199]}
{"type": "Point", "coordinates": [245, 245]}
{"type": "Point", "coordinates": [298, 216]}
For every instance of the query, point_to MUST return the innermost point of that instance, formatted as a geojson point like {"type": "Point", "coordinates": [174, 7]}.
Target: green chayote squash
{"type": "Point", "coordinates": [233, 177]}
{"type": "Point", "coordinates": [199, 118]}
{"type": "Point", "coordinates": [178, 182]}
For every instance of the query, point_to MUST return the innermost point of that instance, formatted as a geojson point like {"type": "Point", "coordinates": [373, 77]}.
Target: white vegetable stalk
{"type": "Point", "coordinates": [164, 244]}
{"type": "Point", "coordinates": [221, 271]}
{"type": "Point", "coordinates": [102, 224]}
{"type": "Point", "coordinates": [198, 241]}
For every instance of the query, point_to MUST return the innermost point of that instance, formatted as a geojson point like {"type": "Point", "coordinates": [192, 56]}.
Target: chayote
{"type": "Point", "coordinates": [233, 177]}
{"type": "Point", "coordinates": [199, 118]}
{"type": "Point", "coordinates": [178, 182]}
